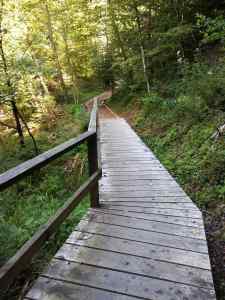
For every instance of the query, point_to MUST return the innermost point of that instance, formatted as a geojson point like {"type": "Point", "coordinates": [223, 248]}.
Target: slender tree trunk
{"type": "Point", "coordinates": [144, 69]}
{"type": "Point", "coordinates": [17, 115]}
{"type": "Point", "coordinates": [18, 124]}
{"type": "Point", "coordinates": [54, 46]}
{"type": "Point", "coordinates": [143, 58]}
{"type": "Point", "coordinates": [8, 81]}
{"type": "Point", "coordinates": [43, 84]}
{"type": "Point", "coordinates": [71, 66]}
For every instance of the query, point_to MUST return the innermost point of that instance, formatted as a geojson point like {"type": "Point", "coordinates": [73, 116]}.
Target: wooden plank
{"type": "Point", "coordinates": [124, 283]}
{"type": "Point", "coordinates": [124, 169]}
{"type": "Point", "coordinates": [125, 176]}
{"type": "Point", "coordinates": [154, 217]}
{"type": "Point", "coordinates": [129, 188]}
{"type": "Point", "coordinates": [136, 265]}
{"type": "Point", "coordinates": [185, 213]}
{"type": "Point", "coordinates": [156, 238]}
{"type": "Point", "coordinates": [114, 182]}
{"type": "Point", "coordinates": [93, 118]}
{"type": "Point", "coordinates": [110, 188]}
{"type": "Point", "coordinates": [141, 194]}
{"type": "Point", "coordinates": [136, 172]}
{"type": "Point", "coordinates": [127, 162]}
{"type": "Point", "coordinates": [130, 158]}
{"type": "Point", "coordinates": [133, 223]}
{"type": "Point", "coordinates": [139, 249]}
{"type": "Point", "coordinates": [51, 289]}
{"type": "Point", "coordinates": [150, 200]}
{"type": "Point", "coordinates": [20, 171]}
{"type": "Point", "coordinates": [20, 260]}
{"type": "Point", "coordinates": [134, 166]}
{"type": "Point", "coordinates": [150, 204]}
{"type": "Point", "coordinates": [134, 179]}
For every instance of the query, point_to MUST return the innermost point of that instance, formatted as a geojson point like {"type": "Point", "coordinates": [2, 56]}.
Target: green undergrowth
{"type": "Point", "coordinates": [28, 204]}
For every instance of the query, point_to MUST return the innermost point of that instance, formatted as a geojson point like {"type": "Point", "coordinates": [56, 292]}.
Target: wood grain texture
{"type": "Point", "coordinates": [146, 241]}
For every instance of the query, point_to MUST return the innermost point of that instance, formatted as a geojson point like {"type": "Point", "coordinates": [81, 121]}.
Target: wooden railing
{"type": "Point", "coordinates": [19, 261]}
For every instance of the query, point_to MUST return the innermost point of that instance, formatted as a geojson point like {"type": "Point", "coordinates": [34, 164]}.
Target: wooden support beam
{"type": "Point", "coordinates": [93, 153]}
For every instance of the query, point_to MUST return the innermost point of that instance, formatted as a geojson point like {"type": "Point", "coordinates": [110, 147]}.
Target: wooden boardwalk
{"type": "Point", "coordinates": [147, 240]}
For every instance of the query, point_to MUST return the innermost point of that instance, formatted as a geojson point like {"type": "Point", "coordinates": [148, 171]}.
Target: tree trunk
{"type": "Point", "coordinates": [54, 47]}
{"type": "Point", "coordinates": [143, 58]}
{"type": "Point", "coordinates": [8, 81]}
{"type": "Point", "coordinates": [144, 69]}
{"type": "Point", "coordinates": [71, 67]}
{"type": "Point", "coordinates": [43, 84]}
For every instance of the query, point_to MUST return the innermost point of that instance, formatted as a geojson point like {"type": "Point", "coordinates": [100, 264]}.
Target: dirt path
{"type": "Point", "coordinates": [101, 99]}
{"type": "Point", "coordinates": [104, 111]}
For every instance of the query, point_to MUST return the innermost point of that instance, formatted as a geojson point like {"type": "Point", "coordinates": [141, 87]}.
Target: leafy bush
{"type": "Point", "coordinates": [212, 29]}
{"type": "Point", "coordinates": [204, 84]}
{"type": "Point", "coordinates": [155, 101]}
{"type": "Point", "coordinates": [79, 114]}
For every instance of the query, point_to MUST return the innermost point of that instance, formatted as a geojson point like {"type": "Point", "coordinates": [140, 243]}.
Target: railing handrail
{"type": "Point", "coordinates": [22, 170]}
{"type": "Point", "coordinates": [93, 118]}
{"type": "Point", "coordinates": [18, 262]}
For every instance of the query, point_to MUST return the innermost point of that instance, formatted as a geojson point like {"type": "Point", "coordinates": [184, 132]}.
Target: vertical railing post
{"type": "Point", "coordinates": [93, 167]}
{"type": "Point", "coordinates": [93, 155]}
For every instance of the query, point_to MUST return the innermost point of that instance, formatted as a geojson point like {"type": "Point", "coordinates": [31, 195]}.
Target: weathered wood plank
{"type": "Point", "coordinates": [154, 217]}
{"type": "Point", "coordinates": [141, 194]}
{"type": "Point", "coordinates": [126, 176]}
{"type": "Point", "coordinates": [136, 265]}
{"type": "Point", "coordinates": [156, 238]}
{"type": "Point", "coordinates": [124, 283]}
{"type": "Point", "coordinates": [164, 205]}
{"type": "Point", "coordinates": [114, 182]}
{"type": "Point", "coordinates": [162, 199]}
{"type": "Point", "coordinates": [197, 233]}
{"type": "Point", "coordinates": [111, 189]}
{"type": "Point", "coordinates": [149, 162]}
{"type": "Point", "coordinates": [109, 182]}
{"type": "Point", "coordinates": [150, 174]}
{"type": "Point", "coordinates": [51, 289]}
{"type": "Point", "coordinates": [139, 249]}
{"type": "Point", "coordinates": [186, 213]}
